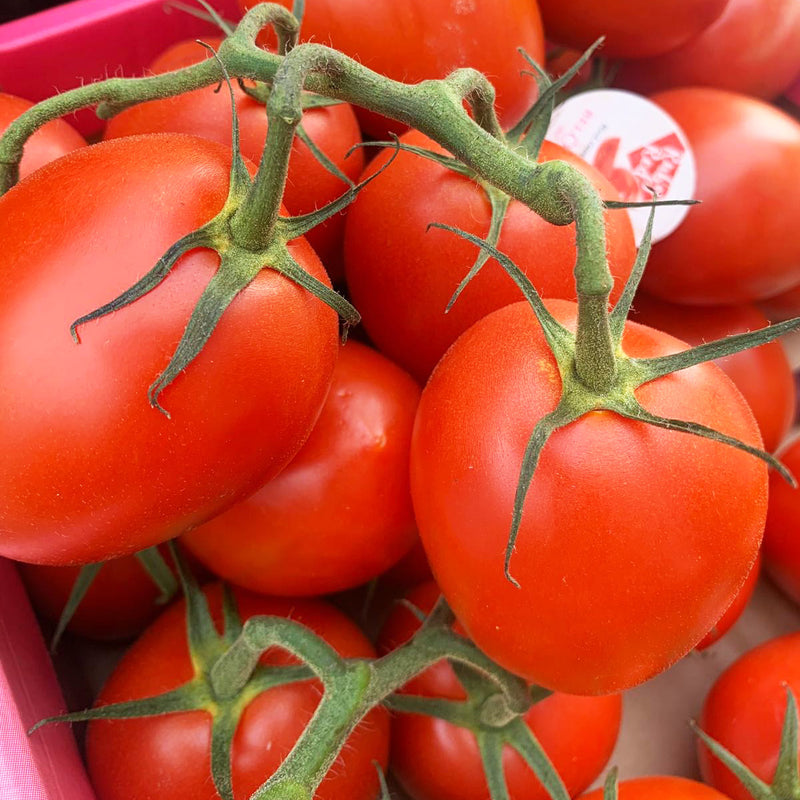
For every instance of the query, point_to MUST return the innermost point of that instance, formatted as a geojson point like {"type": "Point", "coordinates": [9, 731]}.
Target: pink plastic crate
{"type": "Point", "coordinates": [44, 766]}
{"type": "Point", "coordinates": [89, 39]}
{"type": "Point", "coordinates": [39, 55]}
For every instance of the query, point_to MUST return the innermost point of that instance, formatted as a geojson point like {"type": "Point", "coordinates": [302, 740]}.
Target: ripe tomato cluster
{"type": "Point", "coordinates": [587, 493]}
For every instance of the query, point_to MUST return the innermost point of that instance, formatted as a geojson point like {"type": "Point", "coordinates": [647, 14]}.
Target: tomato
{"type": "Point", "coordinates": [735, 609]}
{"type": "Point", "coordinates": [130, 759]}
{"type": "Point", "coordinates": [423, 39]}
{"type": "Point", "coordinates": [88, 469]}
{"type": "Point", "coordinates": [753, 48]}
{"type": "Point", "coordinates": [436, 760]}
{"type": "Point", "coordinates": [119, 604]}
{"type": "Point", "coordinates": [626, 527]}
{"type": "Point", "coordinates": [781, 545]}
{"type": "Point", "coordinates": [402, 275]}
{"type": "Point", "coordinates": [739, 243]}
{"type": "Point", "coordinates": [207, 113]}
{"type": "Point", "coordinates": [661, 787]}
{"type": "Point", "coordinates": [341, 512]}
{"type": "Point", "coordinates": [631, 30]}
{"type": "Point", "coordinates": [763, 374]}
{"type": "Point", "coordinates": [50, 142]}
{"type": "Point", "coordinates": [744, 712]}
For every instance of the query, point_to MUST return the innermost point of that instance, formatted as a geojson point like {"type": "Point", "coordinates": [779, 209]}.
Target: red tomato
{"type": "Point", "coordinates": [735, 609]}
{"type": "Point", "coordinates": [663, 526]}
{"type": "Point", "coordinates": [781, 543]}
{"type": "Point", "coordinates": [421, 39]}
{"type": "Point", "coordinates": [661, 787]}
{"type": "Point", "coordinates": [401, 275]}
{"type": "Point", "coordinates": [120, 603]}
{"type": "Point", "coordinates": [739, 244]}
{"type": "Point", "coordinates": [207, 113]}
{"type": "Point", "coordinates": [632, 29]}
{"type": "Point", "coordinates": [436, 760]}
{"type": "Point", "coordinates": [88, 469]}
{"type": "Point", "coordinates": [753, 48]}
{"type": "Point", "coordinates": [341, 512]}
{"type": "Point", "coordinates": [50, 142]}
{"type": "Point", "coordinates": [128, 758]}
{"type": "Point", "coordinates": [763, 374]}
{"type": "Point", "coordinates": [744, 712]}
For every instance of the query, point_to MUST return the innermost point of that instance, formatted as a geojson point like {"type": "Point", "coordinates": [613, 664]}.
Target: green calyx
{"type": "Point", "coordinates": [248, 235]}
{"type": "Point", "coordinates": [597, 375]}
{"type": "Point", "coordinates": [786, 780]}
{"type": "Point", "coordinates": [206, 690]}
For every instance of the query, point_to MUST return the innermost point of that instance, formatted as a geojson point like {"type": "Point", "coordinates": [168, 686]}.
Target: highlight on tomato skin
{"type": "Point", "coordinates": [437, 760]}
{"type": "Point", "coordinates": [127, 757]}
{"type": "Point", "coordinates": [340, 513]}
{"type": "Point", "coordinates": [744, 712]}
{"type": "Point", "coordinates": [678, 528]}
{"type": "Point", "coordinates": [51, 141]}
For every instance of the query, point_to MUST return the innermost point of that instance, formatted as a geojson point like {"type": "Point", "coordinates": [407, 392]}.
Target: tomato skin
{"type": "Point", "coordinates": [120, 603]}
{"type": "Point", "coordinates": [51, 141]}
{"type": "Point", "coordinates": [89, 470]}
{"type": "Point", "coordinates": [631, 30]}
{"type": "Point", "coordinates": [207, 113]}
{"type": "Point", "coordinates": [744, 712]}
{"type": "Point", "coordinates": [781, 545]}
{"type": "Point", "coordinates": [436, 760]}
{"type": "Point", "coordinates": [664, 527]}
{"type": "Point", "coordinates": [341, 512]}
{"type": "Point", "coordinates": [483, 34]}
{"type": "Point", "coordinates": [130, 759]}
{"type": "Point", "coordinates": [735, 609]}
{"type": "Point", "coordinates": [752, 48]}
{"type": "Point", "coordinates": [661, 787]}
{"type": "Point", "coordinates": [402, 275]}
{"type": "Point", "coordinates": [762, 374]}
{"type": "Point", "coordinates": [737, 245]}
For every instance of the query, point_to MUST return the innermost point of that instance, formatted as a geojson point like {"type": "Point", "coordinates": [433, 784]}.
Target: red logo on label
{"type": "Point", "coordinates": [653, 165]}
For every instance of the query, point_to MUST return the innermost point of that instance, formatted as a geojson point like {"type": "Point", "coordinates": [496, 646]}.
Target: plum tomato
{"type": "Point", "coordinates": [744, 712]}
{"type": "Point", "coordinates": [739, 244]}
{"type": "Point", "coordinates": [341, 512]}
{"type": "Point", "coordinates": [420, 39]}
{"type": "Point", "coordinates": [436, 760]}
{"type": "Point", "coordinates": [752, 48]}
{"type": "Point", "coordinates": [88, 469]}
{"type": "Point", "coordinates": [207, 113]}
{"type": "Point", "coordinates": [51, 141]}
{"type": "Point", "coordinates": [402, 275]}
{"type": "Point", "coordinates": [631, 30]}
{"type": "Point", "coordinates": [762, 374]}
{"type": "Point", "coordinates": [128, 758]}
{"type": "Point", "coordinates": [634, 539]}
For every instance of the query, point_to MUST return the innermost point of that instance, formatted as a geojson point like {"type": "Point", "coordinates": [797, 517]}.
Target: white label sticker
{"type": "Point", "coordinates": [636, 145]}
